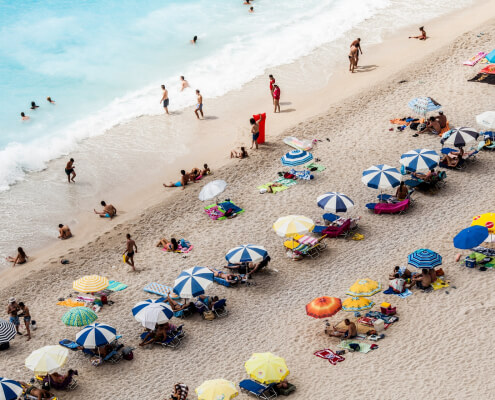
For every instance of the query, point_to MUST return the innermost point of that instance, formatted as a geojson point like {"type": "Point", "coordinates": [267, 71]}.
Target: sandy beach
{"type": "Point", "coordinates": [440, 348]}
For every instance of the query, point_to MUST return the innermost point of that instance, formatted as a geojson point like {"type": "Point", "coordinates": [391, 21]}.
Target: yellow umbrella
{"type": "Point", "coordinates": [47, 359]}
{"type": "Point", "coordinates": [90, 283]}
{"type": "Point", "coordinates": [364, 287]}
{"type": "Point", "coordinates": [487, 219]}
{"type": "Point", "coordinates": [266, 368]}
{"type": "Point", "coordinates": [293, 225]}
{"type": "Point", "coordinates": [216, 389]}
{"type": "Point", "coordinates": [357, 304]}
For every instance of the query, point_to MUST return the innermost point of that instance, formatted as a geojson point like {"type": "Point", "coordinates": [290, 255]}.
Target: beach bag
{"type": "Point", "coordinates": [209, 315]}
{"type": "Point", "coordinates": [127, 353]}
{"type": "Point", "coordinates": [354, 346]}
{"type": "Point", "coordinates": [414, 126]}
{"type": "Point", "coordinates": [397, 285]}
{"type": "Point", "coordinates": [104, 299]}
{"type": "Point", "coordinates": [289, 176]}
{"type": "Point", "coordinates": [4, 346]}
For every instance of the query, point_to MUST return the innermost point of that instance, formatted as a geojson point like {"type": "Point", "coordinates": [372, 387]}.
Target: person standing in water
{"type": "Point", "coordinates": [164, 99]}
{"type": "Point", "coordinates": [184, 83]}
{"type": "Point", "coordinates": [255, 132]}
{"type": "Point", "coordinates": [276, 98]}
{"type": "Point", "coordinates": [422, 36]}
{"type": "Point", "coordinates": [357, 45]}
{"type": "Point", "coordinates": [199, 106]}
{"type": "Point", "coordinates": [194, 39]}
{"type": "Point", "coordinates": [24, 117]}
{"type": "Point", "coordinates": [69, 170]}
{"type": "Point", "coordinates": [251, 9]}
{"type": "Point", "coordinates": [130, 249]}
{"type": "Point", "coordinates": [34, 106]}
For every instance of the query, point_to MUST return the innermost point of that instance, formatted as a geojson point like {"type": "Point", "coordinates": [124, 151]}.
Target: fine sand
{"type": "Point", "coordinates": [440, 348]}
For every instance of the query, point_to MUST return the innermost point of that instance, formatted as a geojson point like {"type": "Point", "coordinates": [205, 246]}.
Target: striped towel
{"type": "Point", "coordinates": [308, 240]}
{"type": "Point", "coordinates": [161, 290]}
{"type": "Point", "coordinates": [286, 182]}
{"type": "Point", "coordinates": [301, 248]}
{"type": "Point", "coordinates": [115, 286]}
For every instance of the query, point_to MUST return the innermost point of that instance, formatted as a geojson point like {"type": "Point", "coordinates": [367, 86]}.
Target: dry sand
{"type": "Point", "coordinates": [440, 348]}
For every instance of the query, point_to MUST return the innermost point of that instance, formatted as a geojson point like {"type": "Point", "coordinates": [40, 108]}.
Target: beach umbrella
{"type": "Point", "coordinates": [9, 389]}
{"type": "Point", "coordinates": [364, 288]}
{"type": "Point", "coordinates": [296, 157]}
{"type": "Point", "coordinates": [335, 202]}
{"type": "Point", "coordinates": [323, 307]}
{"type": "Point", "coordinates": [293, 225]}
{"type": "Point", "coordinates": [96, 335]}
{"type": "Point", "coordinates": [152, 312]}
{"type": "Point", "coordinates": [487, 220]}
{"type": "Point", "coordinates": [90, 284]}
{"type": "Point", "coordinates": [216, 389]}
{"type": "Point", "coordinates": [424, 258]}
{"type": "Point", "coordinates": [420, 160]}
{"type": "Point", "coordinates": [266, 368]}
{"type": "Point", "coordinates": [7, 331]}
{"type": "Point", "coordinates": [47, 359]}
{"type": "Point", "coordinates": [193, 282]}
{"type": "Point", "coordinates": [79, 316]}
{"type": "Point", "coordinates": [246, 253]}
{"type": "Point", "coordinates": [381, 177]}
{"type": "Point", "coordinates": [489, 69]}
{"type": "Point", "coordinates": [486, 119]}
{"type": "Point", "coordinates": [470, 237]}
{"type": "Point", "coordinates": [212, 189]}
{"type": "Point", "coordinates": [460, 137]}
{"type": "Point", "coordinates": [424, 105]}
{"type": "Point", "coordinates": [357, 304]}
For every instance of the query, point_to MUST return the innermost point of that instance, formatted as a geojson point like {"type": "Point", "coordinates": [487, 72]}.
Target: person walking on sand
{"type": "Point", "coordinates": [69, 170]}
{"type": "Point", "coordinates": [109, 211]}
{"type": "Point", "coordinates": [13, 310]}
{"type": "Point", "coordinates": [352, 58]}
{"type": "Point", "coordinates": [184, 83]}
{"type": "Point", "coordinates": [272, 82]}
{"type": "Point", "coordinates": [422, 36]}
{"type": "Point", "coordinates": [64, 232]}
{"type": "Point", "coordinates": [164, 99]}
{"type": "Point", "coordinates": [276, 98]}
{"type": "Point", "coordinates": [199, 106]}
{"type": "Point", "coordinates": [255, 131]}
{"type": "Point", "coordinates": [357, 44]}
{"type": "Point", "coordinates": [24, 117]}
{"type": "Point", "coordinates": [26, 315]}
{"type": "Point", "coordinates": [130, 249]}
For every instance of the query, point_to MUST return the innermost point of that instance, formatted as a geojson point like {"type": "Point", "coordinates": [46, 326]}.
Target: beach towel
{"type": "Point", "coordinates": [70, 303]}
{"type": "Point", "coordinates": [363, 347]}
{"type": "Point", "coordinates": [298, 144]}
{"type": "Point", "coordinates": [183, 247]}
{"type": "Point", "coordinates": [304, 175]}
{"type": "Point", "coordinates": [275, 189]}
{"type": "Point", "coordinates": [228, 205]}
{"type": "Point", "coordinates": [439, 284]}
{"type": "Point", "coordinates": [402, 295]}
{"type": "Point", "coordinates": [491, 56]}
{"type": "Point", "coordinates": [329, 355]}
{"type": "Point", "coordinates": [286, 182]}
{"type": "Point", "coordinates": [115, 286]}
{"type": "Point", "coordinates": [483, 78]}
{"type": "Point", "coordinates": [444, 130]}
{"type": "Point", "coordinates": [319, 167]}
{"type": "Point", "coordinates": [489, 69]}
{"type": "Point", "coordinates": [474, 59]}
{"type": "Point", "coordinates": [305, 239]}
{"type": "Point", "coordinates": [215, 212]}
{"type": "Point", "coordinates": [161, 290]}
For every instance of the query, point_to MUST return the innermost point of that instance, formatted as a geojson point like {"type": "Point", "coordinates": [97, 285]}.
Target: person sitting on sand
{"type": "Point", "coordinates": [180, 392]}
{"type": "Point", "coordinates": [442, 119]}
{"type": "Point", "coordinates": [350, 331]}
{"type": "Point", "coordinates": [64, 232]}
{"type": "Point", "coordinates": [206, 170]}
{"type": "Point", "coordinates": [230, 278]}
{"type": "Point", "coordinates": [422, 36]}
{"type": "Point", "coordinates": [242, 153]}
{"type": "Point", "coordinates": [62, 380]}
{"type": "Point", "coordinates": [402, 271]}
{"type": "Point", "coordinates": [30, 390]}
{"type": "Point", "coordinates": [432, 126]}
{"type": "Point", "coordinates": [109, 211]}
{"type": "Point", "coordinates": [183, 180]}
{"type": "Point", "coordinates": [423, 280]}
{"type": "Point", "coordinates": [254, 267]}
{"type": "Point", "coordinates": [21, 257]}
{"type": "Point", "coordinates": [402, 192]}
{"type": "Point", "coordinates": [173, 245]}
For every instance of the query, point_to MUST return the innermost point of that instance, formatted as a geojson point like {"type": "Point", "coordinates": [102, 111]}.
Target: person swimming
{"type": "Point", "coordinates": [49, 99]}
{"type": "Point", "coordinates": [24, 117]}
{"type": "Point", "coordinates": [34, 106]}
{"type": "Point", "coordinates": [194, 39]}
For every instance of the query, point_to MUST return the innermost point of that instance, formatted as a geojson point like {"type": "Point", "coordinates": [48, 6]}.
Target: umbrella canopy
{"type": "Point", "coordinates": [7, 331]}
{"type": "Point", "coordinates": [335, 202]}
{"type": "Point", "coordinates": [9, 389]}
{"type": "Point", "coordinates": [293, 225]}
{"type": "Point", "coordinates": [470, 237]}
{"type": "Point", "coordinates": [423, 105]}
{"type": "Point", "coordinates": [296, 157]}
{"type": "Point", "coordinates": [461, 137]}
{"type": "Point", "coordinates": [364, 287]}
{"type": "Point", "coordinates": [152, 312]}
{"type": "Point", "coordinates": [96, 335]}
{"type": "Point", "coordinates": [420, 160]}
{"type": "Point", "coordinates": [266, 368]}
{"type": "Point", "coordinates": [381, 177]}
{"type": "Point", "coordinates": [47, 359]}
{"type": "Point", "coordinates": [323, 307]}
{"type": "Point", "coordinates": [216, 389]}
{"type": "Point", "coordinates": [90, 283]}
{"type": "Point", "coordinates": [487, 220]}
{"type": "Point", "coordinates": [79, 316]}
{"type": "Point", "coordinates": [193, 282]}
{"type": "Point", "coordinates": [357, 304]}
{"type": "Point", "coordinates": [486, 119]}
{"type": "Point", "coordinates": [424, 258]}
{"type": "Point", "coordinates": [212, 189]}
{"type": "Point", "coordinates": [246, 253]}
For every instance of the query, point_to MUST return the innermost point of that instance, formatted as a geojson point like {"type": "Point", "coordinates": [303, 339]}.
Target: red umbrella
{"type": "Point", "coordinates": [323, 307]}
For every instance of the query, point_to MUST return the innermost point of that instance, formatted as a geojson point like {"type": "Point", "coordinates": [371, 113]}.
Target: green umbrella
{"type": "Point", "coordinates": [79, 316]}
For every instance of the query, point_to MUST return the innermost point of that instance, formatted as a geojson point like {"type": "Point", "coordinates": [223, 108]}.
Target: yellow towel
{"type": "Point", "coordinates": [70, 303]}
{"type": "Point", "coordinates": [439, 284]}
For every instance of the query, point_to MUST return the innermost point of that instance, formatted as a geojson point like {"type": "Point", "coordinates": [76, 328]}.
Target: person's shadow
{"type": "Point", "coordinates": [210, 117]}
{"type": "Point", "coordinates": [365, 68]}
{"type": "Point", "coordinates": [287, 110]}
{"type": "Point", "coordinates": [285, 103]}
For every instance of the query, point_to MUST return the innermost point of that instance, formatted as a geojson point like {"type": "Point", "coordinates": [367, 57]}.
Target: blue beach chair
{"type": "Point", "coordinates": [220, 308]}
{"type": "Point", "coordinates": [265, 392]}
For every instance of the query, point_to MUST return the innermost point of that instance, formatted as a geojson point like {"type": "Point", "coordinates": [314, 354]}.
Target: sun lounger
{"type": "Point", "coordinates": [173, 340]}
{"type": "Point", "coordinates": [336, 231]}
{"type": "Point", "coordinates": [30, 397]}
{"type": "Point", "coordinates": [69, 383]}
{"type": "Point", "coordinates": [219, 308]}
{"type": "Point", "coordinates": [389, 208]}
{"type": "Point", "coordinates": [298, 144]}
{"type": "Point", "coordinates": [69, 344]}
{"type": "Point", "coordinates": [161, 290]}
{"type": "Point", "coordinates": [265, 392]}
{"type": "Point", "coordinates": [329, 217]}
{"type": "Point", "coordinates": [303, 249]}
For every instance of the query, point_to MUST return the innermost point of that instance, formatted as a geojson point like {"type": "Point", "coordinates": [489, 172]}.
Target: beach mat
{"type": "Point", "coordinates": [115, 286]}
{"type": "Point", "coordinates": [319, 167]}
{"type": "Point", "coordinates": [402, 295]}
{"type": "Point", "coordinates": [483, 78]}
{"type": "Point", "coordinates": [363, 347]}
{"type": "Point", "coordinates": [475, 59]}
{"type": "Point", "coordinates": [286, 182]}
{"type": "Point", "coordinates": [70, 303]}
{"type": "Point", "coordinates": [160, 290]}
{"type": "Point", "coordinates": [439, 284]}
{"type": "Point", "coordinates": [275, 189]}
{"type": "Point", "coordinates": [329, 355]}
{"type": "Point", "coordinates": [298, 144]}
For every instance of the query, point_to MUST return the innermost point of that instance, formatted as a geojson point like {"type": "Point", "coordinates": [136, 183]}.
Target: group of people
{"type": "Point", "coordinates": [275, 93]}
{"type": "Point", "coordinates": [165, 101]}
{"type": "Point", "coordinates": [435, 124]}
{"type": "Point", "coordinates": [34, 106]}
{"type": "Point", "coordinates": [16, 311]}
{"type": "Point", "coordinates": [193, 176]}
{"type": "Point", "coordinates": [402, 278]}
{"type": "Point", "coordinates": [354, 54]}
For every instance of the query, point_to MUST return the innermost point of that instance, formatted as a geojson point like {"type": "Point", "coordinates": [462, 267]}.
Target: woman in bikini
{"type": "Point", "coordinates": [169, 246]}
{"type": "Point", "coordinates": [33, 391]}
{"type": "Point", "coordinates": [20, 259]}
{"type": "Point", "coordinates": [420, 37]}
{"type": "Point", "coordinates": [230, 278]}
{"type": "Point", "coordinates": [241, 154]}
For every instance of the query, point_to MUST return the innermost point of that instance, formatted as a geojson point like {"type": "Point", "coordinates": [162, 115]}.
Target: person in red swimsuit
{"type": "Point", "coordinates": [276, 98]}
{"type": "Point", "coordinates": [272, 82]}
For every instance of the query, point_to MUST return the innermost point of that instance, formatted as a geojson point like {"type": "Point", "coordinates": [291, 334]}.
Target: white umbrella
{"type": "Point", "coordinates": [486, 119]}
{"type": "Point", "coordinates": [152, 312]}
{"type": "Point", "coordinates": [47, 359]}
{"type": "Point", "coordinates": [212, 190]}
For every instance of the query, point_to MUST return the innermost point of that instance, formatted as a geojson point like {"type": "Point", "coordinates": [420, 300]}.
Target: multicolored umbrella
{"type": "Point", "coordinates": [246, 253]}
{"type": "Point", "coordinates": [487, 220]}
{"type": "Point", "coordinates": [335, 202]}
{"type": "Point", "coordinates": [424, 105]}
{"type": "Point", "coordinates": [461, 137]}
{"type": "Point", "coordinates": [96, 335]}
{"type": "Point", "coordinates": [420, 160]}
{"type": "Point", "coordinates": [47, 359]}
{"type": "Point", "coordinates": [193, 282]}
{"type": "Point", "coordinates": [266, 368]}
{"type": "Point", "coordinates": [364, 288]}
{"type": "Point", "coordinates": [9, 389]}
{"type": "Point", "coordinates": [381, 176]}
{"type": "Point", "coordinates": [323, 307]}
{"type": "Point", "coordinates": [486, 119]}
{"type": "Point", "coordinates": [90, 284]}
{"type": "Point", "coordinates": [357, 304]}
{"type": "Point", "coordinates": [152, 312]}
{"type": "Point", "coordinates": [424, 258]}
{"type": "Point", "coordinates": [470, 237]}
{"type": "Point", "coordinates": [216, 389]}
{"type": "Point", "coordinates": [293, 225]}
{"type": "Point", "coordinates": [7, 332]}
{"type": "Point", "coordinates": [212, 189]}
{"type": "Point", "coordinates": [296, 157]}
{"type": "Point", "coordinates": [79, 316]}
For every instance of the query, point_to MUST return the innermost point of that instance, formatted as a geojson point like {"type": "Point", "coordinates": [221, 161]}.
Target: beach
{"type": "Point", "coordinates": [349, 116]}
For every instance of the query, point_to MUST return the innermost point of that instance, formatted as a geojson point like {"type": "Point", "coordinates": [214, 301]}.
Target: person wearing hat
{"type": "Point", "coordinates": [442, 119]}
{"type": "Point", "coordinates": [13, 310]}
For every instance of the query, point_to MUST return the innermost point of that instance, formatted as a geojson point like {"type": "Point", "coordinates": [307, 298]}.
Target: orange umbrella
{"type": "Point", "coordinates": [323, 307]}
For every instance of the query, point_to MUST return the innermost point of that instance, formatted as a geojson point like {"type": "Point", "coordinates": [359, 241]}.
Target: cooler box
{"type": "Point", "coordinates": [470, 263]}
{"type": "Point", "coordinates": [379, 325]}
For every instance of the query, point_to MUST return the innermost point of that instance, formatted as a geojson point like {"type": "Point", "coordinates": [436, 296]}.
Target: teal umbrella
{"type": "Point", "coordinates": [79, 316]}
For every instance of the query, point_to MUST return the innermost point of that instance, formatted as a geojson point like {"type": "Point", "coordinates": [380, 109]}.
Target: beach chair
{"type": "Point", "coordinates": [69, 384]}
{"type": "Point", "coordinates": [389, 208]}
{"type": "Point", "coordinates": [173, 340]}
{"type": "Point", "coordinates": [303, 249]}
{"type": "Point", "coordinates": [30, 397]}
{"type": "Point", "coordinates": [220, 308]}
{"type": "Point", "coordinates": [329, 217]}
{"type": "Point", "coordinates": [265, 392]}
{"type": "Point", "coordinates": [69, 344]}
{"type": "Point", "coordinates": [336, 231]}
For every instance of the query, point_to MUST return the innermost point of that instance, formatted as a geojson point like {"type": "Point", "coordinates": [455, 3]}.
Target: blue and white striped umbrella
{"type": "Point", "coordinates": [461, 137]}
{"type": "Point", "coordinates": [9, 389]}
{"type": "Point", "coordinates": [423, 105]}
{"type": "Point", "coordinates": [420, 160]}
{"type": "Point", "coordinates": [246, 253]}
{"type": "Point", "coordinates": [152, 312]}
{"type": "Point", "coordinates": [335, 202]}
{"type": "Point", "coordinates": [193, 282]}
{"type": "Point", "coordinates": [95, 335]}
{"type": "Point", "coordinates": [424, 258]}
{"type": "Point", "coordinates": [296, 157]}
{"type": "Point", "coordinates": [7, 331]}
{"type": "Point", "coordinates": [381, 177]}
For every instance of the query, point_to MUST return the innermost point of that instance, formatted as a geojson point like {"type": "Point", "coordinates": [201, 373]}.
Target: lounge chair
{"type": "Point", "coordinates": [389, 208]}
{"type": "Point", "coordinates": [265, 392]}
{"type": "Point", "coordinates": [303, 249]}
{"type": "Point", "coordinates": [219, 308]}
{"type": "Point", "coordinates": [31, 397]}
{"type": "Point", "coordinates": [68, 384]}
{"type": "Point", "coordinates": [329, 217]}
{"type": "Point", "coordinates": [173, 340]}
{"type": "Point", "coordinates": [335, 231]}
{"type": "Point", "coordinates": [69, 344]}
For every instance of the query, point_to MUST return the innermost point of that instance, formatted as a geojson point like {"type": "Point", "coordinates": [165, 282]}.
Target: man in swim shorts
{"type": "Point", "coordinates": [255, 131]}
{"type": "Point", "coordinates": [130, 249]}
{"type": "Point", "coordinates": [69, 170]}
{"type": "Point", "coordinates": [64, 232]}
{"type": "Point", "coordinates": [183, 180]}
{"type": "Point", "coordinates": [164, 99]}
{"type": "Point", "coordinates": [109, 211]}
{"type": "Point", "coordinates": [13, 310]}
{"type": "Point", "coordinates": [199, 106]}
